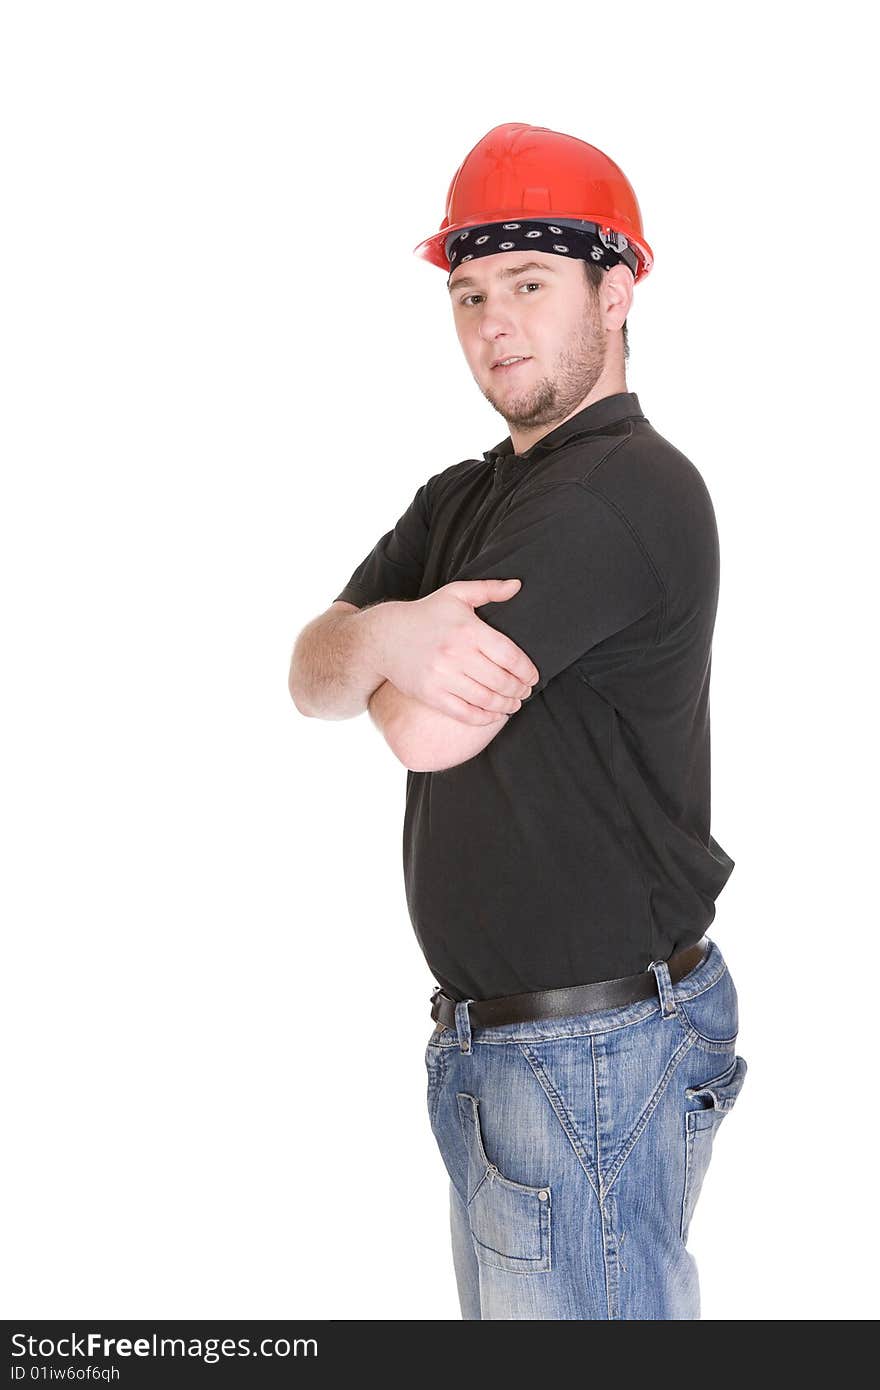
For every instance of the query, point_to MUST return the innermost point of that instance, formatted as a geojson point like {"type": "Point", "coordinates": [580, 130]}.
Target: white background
{"type": "Point", "coordinates": [224, 375]}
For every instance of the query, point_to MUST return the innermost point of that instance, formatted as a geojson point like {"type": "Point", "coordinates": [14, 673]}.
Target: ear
{"type": "Point", "coordinates": [617, 292]}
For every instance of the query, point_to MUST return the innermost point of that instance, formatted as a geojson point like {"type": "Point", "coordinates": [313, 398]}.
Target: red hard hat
{"type": "Point", "coordinates": [528, 171]}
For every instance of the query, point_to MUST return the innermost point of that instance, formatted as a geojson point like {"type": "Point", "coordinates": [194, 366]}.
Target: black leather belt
{"type": "Point", "coordinates": [576, 999]}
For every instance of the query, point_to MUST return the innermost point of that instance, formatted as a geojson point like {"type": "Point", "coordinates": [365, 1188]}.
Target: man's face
{"type": "Point", "coordinates": [547, 314]}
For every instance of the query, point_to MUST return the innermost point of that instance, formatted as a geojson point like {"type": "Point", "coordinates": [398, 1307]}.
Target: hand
{"type": "Point", "coordinates": [437, 650]}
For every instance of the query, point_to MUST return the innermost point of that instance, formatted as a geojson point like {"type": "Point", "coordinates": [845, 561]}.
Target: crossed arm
{"type": "Point", "coordinates": [422, 738]}
{"type": "Point", "coordinates": [425, 739]}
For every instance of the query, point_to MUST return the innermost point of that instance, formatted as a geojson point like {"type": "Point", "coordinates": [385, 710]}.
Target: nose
{"type": "Point", "coordinates": [497, 326]}
{"type": "Point", "coordinates": [498, 343]}
{"type": "Point", "coordinates": [495, 321]}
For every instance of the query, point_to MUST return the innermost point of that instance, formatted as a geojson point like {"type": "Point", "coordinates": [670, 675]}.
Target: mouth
{"type": "Point", "coordinates": [512, 366]}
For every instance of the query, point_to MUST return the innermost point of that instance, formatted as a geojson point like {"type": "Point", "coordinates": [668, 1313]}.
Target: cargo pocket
{"type": "Point", "coordinates": [510, 1222]}
{"type": "Point", "coordinates": [717, 1098]}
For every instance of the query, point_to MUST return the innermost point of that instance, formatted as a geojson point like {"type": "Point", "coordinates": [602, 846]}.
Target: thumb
{"type": "Point", "coordinates": [479, 591]}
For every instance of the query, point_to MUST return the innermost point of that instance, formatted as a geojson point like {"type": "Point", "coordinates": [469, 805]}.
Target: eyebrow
{"type": "Point", "coordinates": [503, 274]}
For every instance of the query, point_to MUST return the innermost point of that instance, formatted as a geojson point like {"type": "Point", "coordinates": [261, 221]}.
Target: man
{"type": "Point", "coordinates": [559, 868]}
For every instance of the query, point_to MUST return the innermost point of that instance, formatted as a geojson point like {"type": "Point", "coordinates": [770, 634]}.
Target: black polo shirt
{"type": "Point", "coordinates": [576, 845]}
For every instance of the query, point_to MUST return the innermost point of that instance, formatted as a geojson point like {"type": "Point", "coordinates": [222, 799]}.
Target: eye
{"type": "Point", "coordinates": [524, 286]}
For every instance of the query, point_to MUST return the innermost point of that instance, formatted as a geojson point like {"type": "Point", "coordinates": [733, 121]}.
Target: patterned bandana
{"type": "Point", "coordinates": [584, 241]}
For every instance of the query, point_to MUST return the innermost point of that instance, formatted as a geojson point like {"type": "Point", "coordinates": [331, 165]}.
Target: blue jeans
{"type": "Point", "coordinates": [576, 1149]}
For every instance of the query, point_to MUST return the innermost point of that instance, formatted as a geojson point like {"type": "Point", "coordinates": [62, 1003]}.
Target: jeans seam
{"type": "Point", "coordinates": [438, 1086]}
{"type": "Point", "coordinates": [701, 1037]}
{"type": "Point", "coordinates": [559, 1110]}
{"type": "Point", "coordinates": [695, 994]}
{"type": "Point", "coordinates": [641, 1124]}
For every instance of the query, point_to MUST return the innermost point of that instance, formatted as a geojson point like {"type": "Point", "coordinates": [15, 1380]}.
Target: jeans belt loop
{"type": "Point", "coordinates": [463, 1024]}
{"type": "Point", "coordinates": [664, 987]}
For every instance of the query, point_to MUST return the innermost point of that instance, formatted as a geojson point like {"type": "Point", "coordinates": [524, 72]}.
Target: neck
{"type": "Point", "coordinates": [610, 385]}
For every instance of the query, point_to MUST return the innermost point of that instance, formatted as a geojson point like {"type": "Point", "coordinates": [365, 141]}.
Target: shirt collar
{"type": "Point", "coordinates": [623, 405]}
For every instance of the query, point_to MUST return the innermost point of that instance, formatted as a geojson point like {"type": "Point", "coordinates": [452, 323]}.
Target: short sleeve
{"type": "Point", "coordinates": [394, 567]}
{"type": "Point", "coordinates": [585, 575]}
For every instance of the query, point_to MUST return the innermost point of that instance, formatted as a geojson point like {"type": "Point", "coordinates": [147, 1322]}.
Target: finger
{"type": "Point", "coordinates": [503, 652]}
{"type": "Point", "coordinates": [495, 678]}
{"type": "Point", "coordinates": [466, 713]}
{"type": "Point", "coordinates": [476, 592]}
{"type": "Point", "coordinates": [485, 695]}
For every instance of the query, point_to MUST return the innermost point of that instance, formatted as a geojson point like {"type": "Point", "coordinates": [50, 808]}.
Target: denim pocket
{"type": "Point", "coordinates": [718, 1098]}
{"type": "Point", "coordinates": [509, 1221]}
{"type": "Point", "coordinates": [712, 1016]}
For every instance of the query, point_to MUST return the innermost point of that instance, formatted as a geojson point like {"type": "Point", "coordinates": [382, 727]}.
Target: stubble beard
{"type": "Point", "coordinates": [553, 398]}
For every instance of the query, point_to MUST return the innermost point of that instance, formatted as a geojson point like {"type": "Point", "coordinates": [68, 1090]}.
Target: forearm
{"type": "Point", "coordinates": [425, 739]}
{"type": "Point", "coordinates": [335, 664]}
